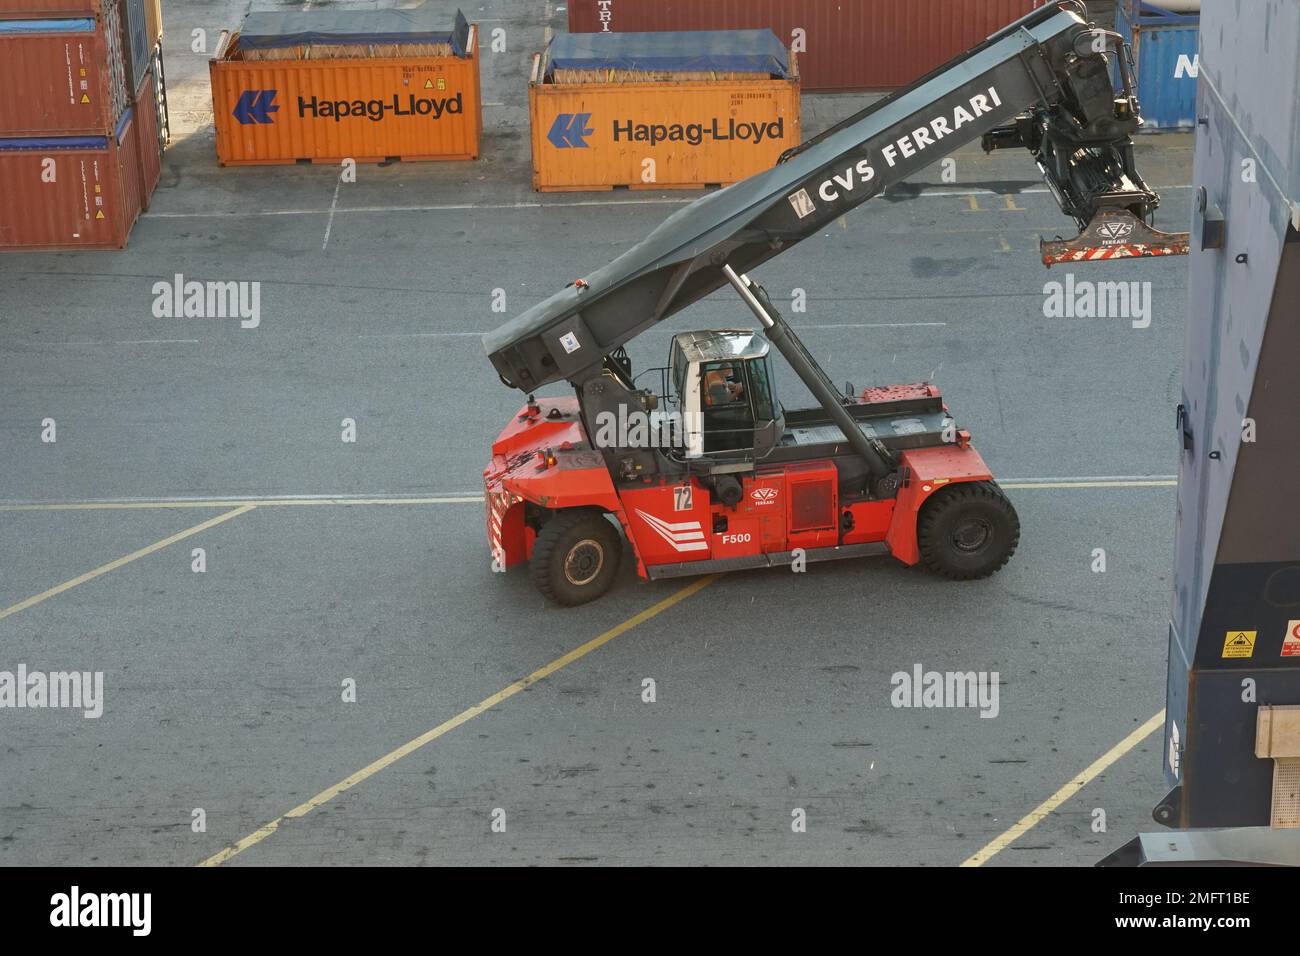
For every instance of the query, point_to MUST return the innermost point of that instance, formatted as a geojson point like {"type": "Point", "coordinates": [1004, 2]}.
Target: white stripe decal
{"type": "Point", "coordinates": [683, 536]}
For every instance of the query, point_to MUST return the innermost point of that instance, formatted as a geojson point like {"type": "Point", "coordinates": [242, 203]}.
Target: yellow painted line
{"type": "Point", "coordinates": [260, 834]}
{"type": "Point", "coordinates": [1088, 484]}
{"type": "Point", "coordinates": [114, 565]}
{"type": "Point", "coordinates": [232, 503]}
{"type": "Point", "coordinates": [1090, 773]}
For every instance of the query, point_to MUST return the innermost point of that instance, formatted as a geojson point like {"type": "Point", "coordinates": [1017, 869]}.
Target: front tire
{"type": "Point", "coordinates": [576, 557]}
{"type": "Point", "coordinates": [968, 531]}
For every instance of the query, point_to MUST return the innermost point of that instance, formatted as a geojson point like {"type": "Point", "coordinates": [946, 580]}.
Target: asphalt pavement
{"type": "Point", "coordinates": [332, 565]}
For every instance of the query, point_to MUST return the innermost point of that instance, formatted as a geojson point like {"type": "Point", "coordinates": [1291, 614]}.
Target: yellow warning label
{"type": "Point", "coordinates": [428, 84]}
{"type": "Point", "coordinates": [85, 97]}
{"type": "Point", "coordinates": [1239, 644]}
{"type": "Point", "coordinates": [83, 71]}
{"type": "Point", "coordinates": [100, 215]}
{"type": "Point", "coordinates": [98, 188]}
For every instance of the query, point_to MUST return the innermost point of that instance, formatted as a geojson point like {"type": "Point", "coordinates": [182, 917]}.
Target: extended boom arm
{"type": "Point", "coordinates": [1041, 83]}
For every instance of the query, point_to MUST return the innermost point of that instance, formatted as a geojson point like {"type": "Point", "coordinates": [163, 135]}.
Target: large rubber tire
{"type": "Point", "coordinates": [968, 531]}
{"type": "Point", "coordinates": [576, 557]}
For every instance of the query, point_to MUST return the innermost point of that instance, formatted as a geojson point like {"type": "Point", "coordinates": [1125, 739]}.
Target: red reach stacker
{"type": "Point", "coordinates": [710, 472]}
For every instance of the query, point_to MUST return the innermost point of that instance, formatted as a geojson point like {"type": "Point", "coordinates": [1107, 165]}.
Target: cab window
{"type": "Point", "coordinates": [724, 384]}
{"type": "Point", "coordinates": [760, 387]}
{"type": "Point", "coordinates": [677, 362]}
{"type": "Point", "coordinates": [728, 419]}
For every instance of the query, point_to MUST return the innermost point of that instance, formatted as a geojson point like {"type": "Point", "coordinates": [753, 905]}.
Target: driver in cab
{"type": "Point", "coordinates": [722, 386]}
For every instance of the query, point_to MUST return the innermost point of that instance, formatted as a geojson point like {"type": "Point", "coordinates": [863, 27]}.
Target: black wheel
{"type": "Point", "coordinates": [967, 531]}
{"type": "Point", "coordinates": [576, 557]}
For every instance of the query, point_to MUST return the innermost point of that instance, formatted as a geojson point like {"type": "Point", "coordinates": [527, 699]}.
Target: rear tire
{"type": "Point", "coordinates": [576, 557]}
{"type": "Point", "coordinates": [968, 531]}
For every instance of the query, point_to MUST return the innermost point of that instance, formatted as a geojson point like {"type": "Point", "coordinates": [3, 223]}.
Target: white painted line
{"type": "Point", "coordinates": [267, 502]}
{"type": "Point", "coordinates": [334, 205]}
{"type": "Point", "coordinates": [1077, 478]}
{"type": "Point", "coordinates": [448, 207]}
{"type": "Point", "coordinates": [873, 325]}
{"type": "Point", "coordinates": [1063, 485]}
{"type": "Point", "coordinates": [156, 342]}
{"type": "Point", "coordinates": [484, 207]}
{"type": "Point", "coordinates": [454, 498]}
{"type": "Point", "coordinates": [127, 342]}
{"type": "Point", "coordinates": [208, 499]}
{"type": "Point", "coordinates": [420, 335]}
{"type": "Point", "coordinates": [855, 325]}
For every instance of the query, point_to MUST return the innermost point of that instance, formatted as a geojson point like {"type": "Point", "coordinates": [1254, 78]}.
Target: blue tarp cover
{"type": "Point", "coordinates": [422, 24]}
{"type": "Point", "coordinates": [47, 143]}
{"type": "Point", "coordinates": [732, 51]}
{"type": "Point", "coordinates": [76, 25]}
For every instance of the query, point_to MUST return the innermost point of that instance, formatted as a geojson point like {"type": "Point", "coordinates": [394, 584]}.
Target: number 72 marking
{"type": "Point", "coordinates": [683, 500]}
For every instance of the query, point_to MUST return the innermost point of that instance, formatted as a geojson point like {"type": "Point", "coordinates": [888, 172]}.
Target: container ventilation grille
{"type": "Point", "coordinates": [1286, 792]}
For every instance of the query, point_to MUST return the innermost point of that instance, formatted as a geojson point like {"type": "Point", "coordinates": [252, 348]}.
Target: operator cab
{"type": "Point", "coordinates": [723, 382]}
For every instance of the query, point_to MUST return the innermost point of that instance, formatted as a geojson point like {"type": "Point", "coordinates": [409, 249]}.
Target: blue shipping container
{"type": "Point", "coordinates": [1166, 48]}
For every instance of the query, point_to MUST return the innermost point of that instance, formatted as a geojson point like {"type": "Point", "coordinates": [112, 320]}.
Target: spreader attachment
{"type": "Point", "coordinates": [1113, 234]}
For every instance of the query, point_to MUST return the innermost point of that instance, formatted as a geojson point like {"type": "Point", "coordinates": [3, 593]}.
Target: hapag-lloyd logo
{"type": "Point", "coordinates": [375, 110]}
{"type": "Point", "coordinates": [719, 131]}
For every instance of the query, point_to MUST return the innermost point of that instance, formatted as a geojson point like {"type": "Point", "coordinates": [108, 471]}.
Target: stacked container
{"type": "Point", "coordinates": [82, 120]}
{"type": "Point", "coordinates": [661, 110]}
{"type": "Point", "coordinates": [1164, 45]}
{"type": "Point", "coordinates": [842, 44]}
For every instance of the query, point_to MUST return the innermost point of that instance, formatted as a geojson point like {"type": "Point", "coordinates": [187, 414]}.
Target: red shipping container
{"type": "Point", "coordinates": [37, 9]}
{"type": "Point", "coordinates": [70, 192]}
{"type": "Point", "coordinates": [147, 137]}
{"type": "Point", "coordinates": [68, 77]}
{"type": "Point", "coordinates": [846, 44]}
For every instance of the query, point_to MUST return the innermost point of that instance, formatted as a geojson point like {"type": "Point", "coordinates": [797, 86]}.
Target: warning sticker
{"type": "Point", "coordinates": [1291, 641]}
{"type": "Point", "coordinates": [85, 98]}
{"type": "Point", "coordinates": [100, 214]}
{"type": "Point", "coordinates": [570, 342]}
{"type": "Point", "coordinates": [1239, 644]}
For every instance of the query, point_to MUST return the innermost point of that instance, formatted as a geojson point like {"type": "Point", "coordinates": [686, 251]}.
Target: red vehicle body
{"type": "Point", "coordinates": [543, 458]}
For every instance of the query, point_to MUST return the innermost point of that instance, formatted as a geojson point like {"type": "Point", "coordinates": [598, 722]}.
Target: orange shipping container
{"type": "Point", "coordinates": [366, 109]}
{"type": "Point", "coordinates": [70, 192]}
{"type": "Point", "coordinates": [659, 133]}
